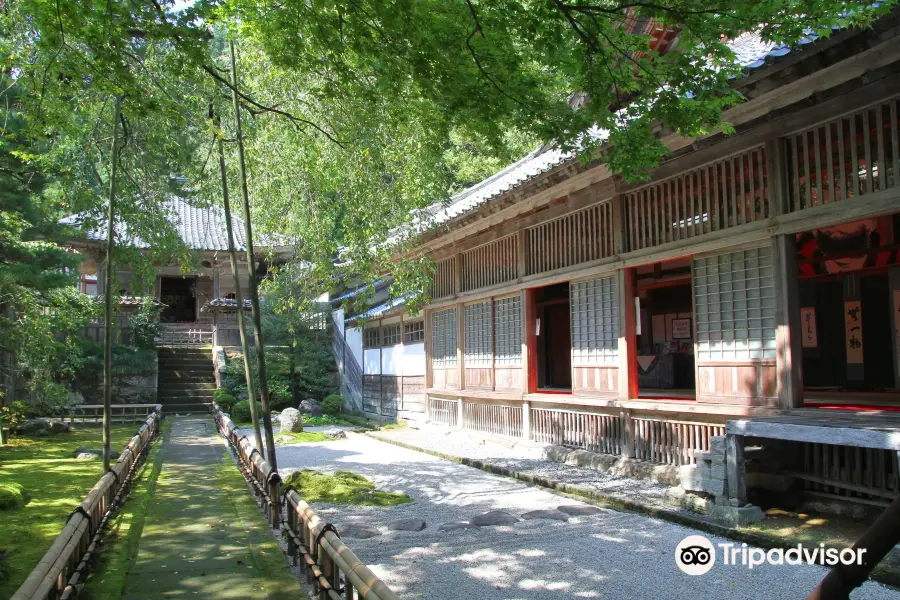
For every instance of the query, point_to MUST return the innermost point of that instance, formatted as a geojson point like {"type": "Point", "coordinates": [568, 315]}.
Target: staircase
{"type": "Point", "coordinates": [186, 380]}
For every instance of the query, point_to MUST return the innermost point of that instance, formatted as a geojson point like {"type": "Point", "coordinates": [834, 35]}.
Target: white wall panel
{"type": "Point", "coordinates": [414, 359]}
{"type": "Point", "coordinates": [392, 360]}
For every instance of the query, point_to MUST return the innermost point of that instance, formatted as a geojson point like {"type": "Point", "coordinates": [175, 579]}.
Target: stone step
{"type": "Point", "coordinates": [200, 363]}
{"type": "Point", "coordinates": [205, 394]}
{"type": "Point", "coordinates": [166, 400]}
{"type": "Point", "coordinates": [186, 373]}
{"type": "Point", "coordinates": [185, 409]}
{"type": "Point", "coordinates": [198, 386]}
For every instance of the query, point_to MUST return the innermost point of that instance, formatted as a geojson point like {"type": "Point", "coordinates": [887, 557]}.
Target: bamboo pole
{"type": "Point", "coordinates": [239, 298]}
{"type": "Point", "coordinates": [107, 329]}
{"type": "Point", "coordinates": [254, 292]}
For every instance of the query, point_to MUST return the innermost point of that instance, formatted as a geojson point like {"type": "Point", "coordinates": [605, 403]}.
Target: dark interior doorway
{"type": "Point", "coordinates": [554, 338]}
{"type": "Point", "coordinates": [179, 296]}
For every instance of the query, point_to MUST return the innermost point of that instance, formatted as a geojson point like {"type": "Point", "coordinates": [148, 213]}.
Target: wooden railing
{"type": "Point", "coordinates": [579, 237]}
{"type": "Point", "coordinates": [186, 333]}
{"type": "Point", "coordinates": [444, 283]}
{"type": "Point", "coordinates": [490, 264]}
{"type": "Point", "coordinates": [864, 475]}
{"type": "Point", "coordinates": [672, 442]}
{"type": "Point", "coordinates": [497, 419]}
{"type": "Point", "coordinates": [442, 412]}
{"type": "Point", "coordinates": [119, 413]}
{"type": "Point", "coordinates": [330, 566]}
{"type": "Point", "coordinates": [591, 431]}
{"type": "Point", "coordinates": [64, 567]}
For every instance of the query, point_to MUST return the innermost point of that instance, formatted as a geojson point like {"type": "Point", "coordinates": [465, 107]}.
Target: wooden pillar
{"type": "Point", "coordinates": [522, 267]}
{"type": "Point", "coordinates": [459, 413]}
{"type": "Point", "coordinates": [529, 344]}
{"type": "Point", "coordinates": [460, 344]}
{"type": "Point", "coordinates": [619, 222]}
{"type": "Point", "coordinates": [894, 286]}
{"type": "Point", "coordinates": [628, 381]}
{"type": "Point", "coordinates": [734, 468]}
{"type": "Point", "coordinates": [526, 420]}
{"type": "Point", "coordinates": [789, 353]}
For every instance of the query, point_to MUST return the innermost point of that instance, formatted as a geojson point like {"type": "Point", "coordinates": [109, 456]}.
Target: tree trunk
{"type": "Point", "coordinates": [239, 298]}
{"type": "Point", "coordinates": [295, 384]}
{"type": "Point", "coordinates": [254, 292]}
{"type": "Point", "coordinates": [108, 325]}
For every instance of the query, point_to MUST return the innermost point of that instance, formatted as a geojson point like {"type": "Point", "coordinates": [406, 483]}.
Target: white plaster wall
{"type": "Point", "coordinates": [392, 360]}
{"type": "Point", "coordinates": [355, 341]}
{"type": "Point", "coordinates": [414, 359]}
{"type": "Point", "coordinates": [372, 365]}
{"type": "Point", "coordinates": [337, 317]}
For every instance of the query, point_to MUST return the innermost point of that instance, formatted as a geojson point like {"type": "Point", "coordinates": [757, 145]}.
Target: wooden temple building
{"type": "Point", "coordinates": [749, 288]}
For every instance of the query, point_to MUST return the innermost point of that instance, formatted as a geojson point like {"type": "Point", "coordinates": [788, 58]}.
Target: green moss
{"type": "Point", "coordinates": [301, 437]}
{"type": "Point", "coordinates": [57, 483]}
{"type": "Point", "coordinates": [344, 487]}
{"type": "Point", "coordinates": [397, 425]}
{"type": "Point", "coordinates": [12, 496]}
{"type": "Point", "coordinates": [120, 546]}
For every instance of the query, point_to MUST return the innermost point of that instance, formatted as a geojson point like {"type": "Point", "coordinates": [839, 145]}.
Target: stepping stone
{"type": "Point", "coordinates": [580, 510]}
{"type": "Point", "coordinates": [546, 514]}
{"type": "Point", "coordinates": [494, 517]}
{"type": "Point", "coordinates": [359, 532]}
{"type": "Point", "coordinates": [409, 525]}
{"type": "Point", "coordinates": [454, 526]}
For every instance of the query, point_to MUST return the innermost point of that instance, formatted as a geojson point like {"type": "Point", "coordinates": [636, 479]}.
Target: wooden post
{"type": "Point", "coordinates": [107, 324]}
{"type": "Point", "coordinates": [254, 294]}
{"type": "Point", "coordinates": [459, 413]}
{"type": "Point", "coordinates": [789, 353]}
{"type": "Point", "coordinates": [734, 468]}
{"type": "Point", "coordinates": [526, 420]}
{"type": "Point", "coordinates": [628, 381]}
{"type": "Point", "coordinates": [529, 344]}
{"type": "Point", "coordinates": [522, 267]}
{"type": "Point", "coordinates": [460, 345]}
{"type": "Point", "coordinates": [239, 298]}
{"type": "Point", "coordinates": [628, 442]}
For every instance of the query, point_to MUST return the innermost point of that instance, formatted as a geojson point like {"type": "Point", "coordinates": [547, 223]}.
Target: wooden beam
{"type": "Point", "coordinates": [789, 352]}
{"type": "Point", "coordinates": [628, 376]}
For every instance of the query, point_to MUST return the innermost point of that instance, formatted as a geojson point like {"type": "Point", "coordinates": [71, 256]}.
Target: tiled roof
{"type": "Point", "coordinates": [381, 309]}
{"type": "Point", "coordinates": [751, 52]}
{"type": "Point", "coordinates": [201, 228]}
{"type": "Point", "coordinates": [224, 305]}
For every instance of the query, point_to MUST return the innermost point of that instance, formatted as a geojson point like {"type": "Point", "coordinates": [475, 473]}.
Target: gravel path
{"type": "Point", "coordinates": [462, 445]}
{"type": "Point", "coordinates": [607, 555]}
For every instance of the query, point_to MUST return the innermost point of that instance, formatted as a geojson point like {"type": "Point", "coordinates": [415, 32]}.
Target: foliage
{"type": "Point", "coordinates": [302, 437]}
{"type": "Point", "coordinates": [57, 483]}
{"type": "Point", "coordinates": [325, 419]}
{"type": "Point", "coordinates": [13, 414]}
{"type": "Point", "coordinates": [344, 487]}
{"type": "Point", "coordinates": [332, 404]}
{"type": "Point", "coordinates": [472, 158]}
{"type": "Point", "coordinates": [12, 496]}
{"type": "Point", "coordinates": [145, 325]}
{"type": "Point", "coordinates": [240, 411]}
{"type": "Point", "coordinates": [225, 400]}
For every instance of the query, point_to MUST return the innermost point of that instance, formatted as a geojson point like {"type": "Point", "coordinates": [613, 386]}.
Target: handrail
{"type": "Point", "coordinates": [64, 566]}
{"type": "Point", "coordinates": [330, 566]}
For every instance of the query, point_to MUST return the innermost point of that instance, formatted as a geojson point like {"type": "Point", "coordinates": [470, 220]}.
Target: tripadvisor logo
{"type": "Point", "coordinates": [696, 555]}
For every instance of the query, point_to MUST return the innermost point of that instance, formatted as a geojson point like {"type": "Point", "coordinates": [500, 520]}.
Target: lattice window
{"type": "Point", "coordinates": [444, 278]}
{"type": "Point", "coordinates": [390, 336]}
{"type": "Point", "coordinates": [508, 331]}
{"type": "Point", "coordinates": [734, 300]}
{"type": "Point", "coordinates": [490, 264]}
{"type": "Point", "coordinates": [443, 337]}
{"type": "Point", "coordinates": [478, 334]}
{"type": "Point", "coordinates": [372, 338]}
{"type": "Point", "coordinates": [727, 193]}
{"type": "Point", "coordinates": [851, 156]}
{"type": "Point", "coordinates": [414, 332]}
{"type": "Point", "coordinates": [575, 238]}
{"type": "Point", "coordinates": [595, 325]}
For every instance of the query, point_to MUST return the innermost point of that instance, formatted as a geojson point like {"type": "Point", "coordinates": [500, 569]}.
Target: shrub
{"type": "Point", "coordinates": [12, 496]}
{"type": "Point", "coordinates": [332, 404]}
{"type": "Point", "coordinates": [240, 412]}
{"type": "Point", "coordinates": [225, 400]}
{"type": "Point", "coordinates": [145, 324]}
{"type": "Point", "coordinates": [14, 414]}
{"type": "Point", "coordinates": [343, 487]}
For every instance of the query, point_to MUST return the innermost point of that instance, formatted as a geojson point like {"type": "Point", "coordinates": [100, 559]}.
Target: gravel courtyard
{"type": "Point", "coordinates": [605, 555]}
